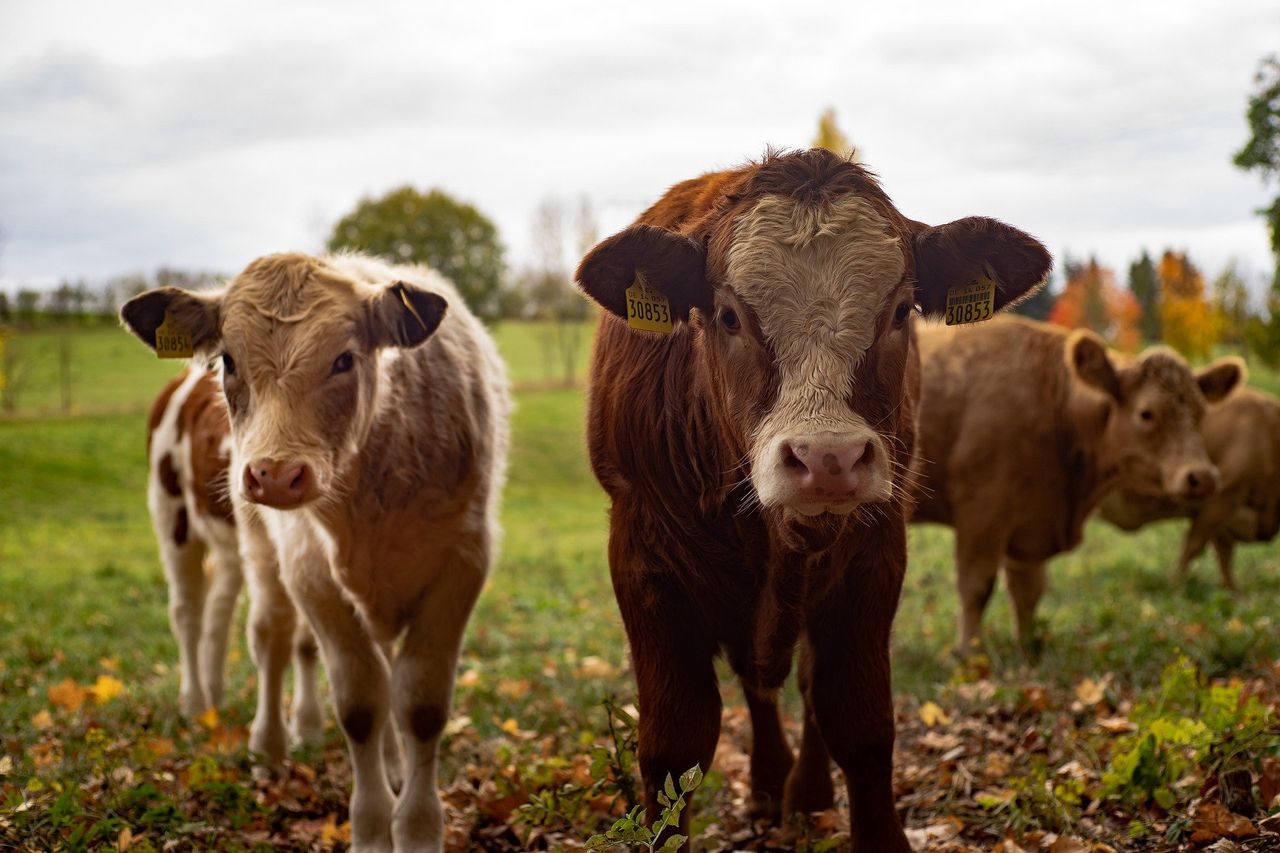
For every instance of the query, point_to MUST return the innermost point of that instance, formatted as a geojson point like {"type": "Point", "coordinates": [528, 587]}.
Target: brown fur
{"type": "Point", "coordinates": [699, 566]}
{"type": "Point", "coordinates": [1024, 428]}
{"type": "Point", "coordinates": [1242, 436]}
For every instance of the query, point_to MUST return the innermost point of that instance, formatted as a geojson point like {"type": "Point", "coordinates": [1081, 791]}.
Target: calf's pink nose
{"type": "Point", "coordinates": [276, 484]}
{"type": "Point", "coordinates": [826, 469]}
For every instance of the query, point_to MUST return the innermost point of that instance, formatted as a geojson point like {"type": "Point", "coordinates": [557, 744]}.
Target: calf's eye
{"type": "Point", "coordinates": [343, 363]}
{"type": "Point", "coordinates": [1147, 415]}
{"type": "Point", "coordinates": [900, 316]}
{"type": "Point", "coordinates": [730, 321]}
{"type": "Point", "coordinates": [228, 365]}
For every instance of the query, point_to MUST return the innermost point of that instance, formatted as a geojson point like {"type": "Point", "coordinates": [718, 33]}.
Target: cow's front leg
{"type": "Point", "coordinates": [809, 787]}
{"type": "Point", "coordinates": [1026, 581]}
{"type": "Point", "coordinates": [978, 558]}
{"type": "Point", "coordinates": [851, 692]}
{"type": "Point", "coordinates": [771, 758]}
{"type": "Point", "coordinates": [271, 622]}
{"type": "Point", "coordinates": [359, 675]}
{"type": "Point", "coordinates": [184, 565]}
{"type": "Point", "coordinates": [307, 718]}
{"type": "Point", "coordinates": [422, 691]}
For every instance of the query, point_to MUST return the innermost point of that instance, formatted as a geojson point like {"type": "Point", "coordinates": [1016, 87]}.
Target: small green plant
{"type": "Point", "coordinates": [633, 829]}
{"type": "Point", "coordinates": [1192, 729]}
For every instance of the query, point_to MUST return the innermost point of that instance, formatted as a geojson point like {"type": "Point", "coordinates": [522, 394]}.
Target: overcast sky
{"type": "Point", "coordinates": [202, 135]}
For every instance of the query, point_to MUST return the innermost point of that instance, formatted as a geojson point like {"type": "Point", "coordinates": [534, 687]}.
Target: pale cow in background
{"type": "Point", "coordinates": [1242, 435]}
{"type": "Point", "coordinates": [369, 435]}
{"type": "Point", "coordinates": [1024, 427]}
{"type": "Point", "coordinates": [204, 551]}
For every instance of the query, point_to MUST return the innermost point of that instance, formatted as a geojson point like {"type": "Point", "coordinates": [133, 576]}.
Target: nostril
{"type": "Point", "coordinates": [250, 481]}
{"type": "Point", "coordinates": [790, 459]}
{"type": "Point", "coordinates": [295, 485]}
{"type": "Point", "coordinates": [1193, 481]}
{"type": "Point", "coordinates": [861, 456]}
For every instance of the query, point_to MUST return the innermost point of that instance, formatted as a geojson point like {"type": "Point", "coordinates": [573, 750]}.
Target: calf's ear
{"type": "Point", "coordinates": [673, 265]}
{"type": "Point", "coordinates": [1087, 358]}
{"type": "Point", "coordinates": [192, 314]}
{"type": "Point", "coordinates": [404, 315]}
{"type": "Point", "coordinates": [967, 250]}
{"type": "Point", "coordinates": [1220, 378]}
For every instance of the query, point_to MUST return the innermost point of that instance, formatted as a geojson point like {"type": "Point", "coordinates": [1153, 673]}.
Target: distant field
{"type": "Point", "coordinates": [83, 597]}
{"type": "Point", "coordinates": [111, 371]}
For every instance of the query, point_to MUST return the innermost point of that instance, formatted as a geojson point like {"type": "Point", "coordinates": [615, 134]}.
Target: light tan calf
{"type": "Point", "coordinates": [1024, 427]}
{"type": "Point", "coordinates": [369, 436]}
{"type": "Point", "coordinates": [1242, 435]}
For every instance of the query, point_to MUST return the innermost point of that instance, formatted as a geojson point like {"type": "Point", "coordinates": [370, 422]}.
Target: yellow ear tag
{"type": "Point", "coordinates": [647, 309]}
{"type": "Point", "coordinates": [171, 341]}
{"type": "Point", "coordinates": [971, 303]}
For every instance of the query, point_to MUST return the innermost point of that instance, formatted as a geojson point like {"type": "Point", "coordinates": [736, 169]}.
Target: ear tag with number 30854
{"type": "Point", "coordinates": [647, 309]}
{"type": "Point", "coordinates": [972, 303]}
{"type": "Point", "coordinates": [172, 341]}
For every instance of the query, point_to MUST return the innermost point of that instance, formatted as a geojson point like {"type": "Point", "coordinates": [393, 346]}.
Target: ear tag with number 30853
{"type": "Point", "coordinates": [172, 341]}
{"type": "Point", "coordinates": [972, 303]}
{"type": "Point", "coordinates": [647, 309]}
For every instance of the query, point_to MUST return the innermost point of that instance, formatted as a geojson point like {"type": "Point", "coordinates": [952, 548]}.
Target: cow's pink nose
{"type": "Point", "coordinates": [277, 484]}
{"type": "Point", "coordinates": [826, 468]}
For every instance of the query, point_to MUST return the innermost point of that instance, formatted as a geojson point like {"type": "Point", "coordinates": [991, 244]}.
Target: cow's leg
{"type": "Point", "coordinates": [360, 679]}
{"type": "Point", "coordinates": [851, 693]}
{"type": "Point", "coordinates": [422, 693]}
{"type": "Point", "coordinates": [1026, 581]}
{"type": "Point", "coordinates": [1203, 528]}
{"type": "Point", "coordinates": [271, 623]}
{"type": "Point", "coordinates": [673, 660]}
{"type": "Point", "coordinates": [184, 565]}
{"type": "Point", "coordinates": [809, 787]}
{"type": "Point", "coordinates": [219, 610]}
{"type": "Point", "coordinates": [771, 758]}
{"type": "Point", "coordinates": [307, 718]}
{"type": "Point", "coordinates": [1224, 548]}
{"type": "Point", "coordinates": [978, 557]}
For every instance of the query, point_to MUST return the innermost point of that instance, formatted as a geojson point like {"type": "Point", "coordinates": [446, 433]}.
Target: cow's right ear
{"type": "Point", "coordinates": [1220, 378]}
{"type": "Point", "coordinates": [192, 314]}
{"type": "Point", "coordinates": [670, 263]}
{"type": "Point", "coordinates": [1087, 358]}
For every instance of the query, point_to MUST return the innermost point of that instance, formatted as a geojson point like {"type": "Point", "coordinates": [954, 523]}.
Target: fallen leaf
{"type": "Point", "coordinates": [333, 832]}
{"type": "Point", "coordinates": [596, 667]}
{"type": "Point", "coordinates": [42, 719]}
{"type": "Point", "coordinates": [931, 714]}
{"type": "Point", "coordinates": [470, 678]}
{"type": "Point", "coordinates": [209, 719]}
{"type": "Point", "coordinates": [106, 688]}
{"type": "Point", "coordinates": [6, 765]}
{"type": "Point", "coordinates": [1090, 692]}
{"type": "Point", "coordinates": [1068, 845]}
{"type": "Point", "coordinates": [66, 694]}
{"type": "Point", "coordinates": [1213, 821]}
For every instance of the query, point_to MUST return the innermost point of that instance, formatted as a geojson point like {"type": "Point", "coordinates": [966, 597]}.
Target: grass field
{"type": "Point", "coordinates": [83, 605]}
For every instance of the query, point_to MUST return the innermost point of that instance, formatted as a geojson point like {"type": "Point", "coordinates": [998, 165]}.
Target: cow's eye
{"type": "Point", "coordinates": [901, 314]}
{"type": "Point", "coordinates": [343, 363]}
{"type": "Point", "coordinates": [228, 365]}
{"type": "Point", "coordinates": [1147, 415]}
{"type": "Point", "coordinates": [730, 320]}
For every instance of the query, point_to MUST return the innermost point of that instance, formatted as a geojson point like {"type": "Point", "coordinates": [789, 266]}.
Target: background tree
{"type": "Point", "coordinates": [1231, 305]}
{"type": "Point", "coordinates": [549, 293]}
{"type": "Point", "coordinates": [832, 138]}
{"type": "Point", "coordinates": [1261, 154]}
{"type": "Point", "coordinates": [1188, 323]}
{"type": "Point", "coordinates": [454, 238]}
{"type": "Point", "coordinates": [1091, 299]}
{"type": "Point", "coordinates": [25, 305]}
{"type": "Point", "coordinates": [1144, 284]}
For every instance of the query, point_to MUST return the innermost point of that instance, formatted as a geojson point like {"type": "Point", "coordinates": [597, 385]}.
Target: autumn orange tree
{"type": "Point", "coordinates": [1091, 299]}
{"type": "Point", "coordinates": [1188, 322]}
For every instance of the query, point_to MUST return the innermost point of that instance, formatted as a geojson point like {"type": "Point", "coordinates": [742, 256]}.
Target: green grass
{"type": "Point", "coordinates": [83, 595]}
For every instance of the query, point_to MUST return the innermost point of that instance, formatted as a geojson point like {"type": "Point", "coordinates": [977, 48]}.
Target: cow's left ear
{"type": "Point", "coordinates": [191, 314]}
{"type": "Point", "coordinates": [1220, 378]}
{"type": "Point", "coordinates": [404, 315]}
{"type": "Point", "coordinates": [967, 250]}
{"type": "Point", "coordinates": [669, 262]}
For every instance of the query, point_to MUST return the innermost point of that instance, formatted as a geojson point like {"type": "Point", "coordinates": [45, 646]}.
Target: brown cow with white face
{"type": "Point", "coordinates": [1025, 427]}
{"type": "Point", "coordinates": [369, 437]}
{"type": "Point", "coordinates": [757, 458]}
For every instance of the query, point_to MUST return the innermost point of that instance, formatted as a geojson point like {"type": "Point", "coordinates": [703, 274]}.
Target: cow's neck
{"type": "Point", "coordinates": [1094, 463]}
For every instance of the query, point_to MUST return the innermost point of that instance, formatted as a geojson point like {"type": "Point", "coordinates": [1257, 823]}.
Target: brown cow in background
{"type": "Point", "coordinates": [757, 458]}
{"type": "Point", "coordinates": [1025, 427]}
{"type": "Point", "coordinates": [1242, 435]}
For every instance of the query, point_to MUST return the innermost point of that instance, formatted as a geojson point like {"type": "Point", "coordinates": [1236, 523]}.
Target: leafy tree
{"type": "Point", "coordinates": [832, 138]}
{"type": "Point", "coordinates": [1145, 287]}
{"type": "Point", "coordinates": [1261, 154]}
{"type": "Point", "coordinates": [1189, 324]}
{"type": "Point", "coordinates": [1091, 299]}
{"type": "Point", "coordinates": [26, 304]}
{"type": "Point", "coordinates": [1231, 305]}
{"type": "Point", "coordinates": [454, 238]}
{"type": "Point", "coordinates": [549, 294]}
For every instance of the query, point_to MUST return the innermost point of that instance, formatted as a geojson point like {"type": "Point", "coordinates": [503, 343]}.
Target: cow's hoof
{"type": "Point", "coordinates": [807, 795]}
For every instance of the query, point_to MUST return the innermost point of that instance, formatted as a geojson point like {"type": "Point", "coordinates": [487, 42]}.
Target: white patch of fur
{"type": "Point", "coordinates": [818, 278]}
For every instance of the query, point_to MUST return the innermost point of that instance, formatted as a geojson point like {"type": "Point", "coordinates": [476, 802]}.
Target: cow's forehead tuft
{"type": "Point", "coordinates": [290, 288]}
{"type": "Point", "coordinates": [1166, 371]}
